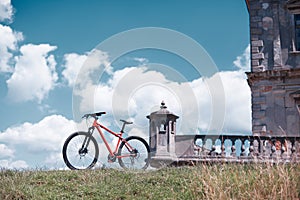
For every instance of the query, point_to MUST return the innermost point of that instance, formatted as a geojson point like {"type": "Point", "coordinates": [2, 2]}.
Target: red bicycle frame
{"type": "Point", "coordinates": [98, 126]}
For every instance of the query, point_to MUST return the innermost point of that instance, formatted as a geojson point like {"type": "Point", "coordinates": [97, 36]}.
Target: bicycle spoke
{"type": "Point", "coordinates": [137, 158]}
{"type": "Point", "coordinates": [77, 155]}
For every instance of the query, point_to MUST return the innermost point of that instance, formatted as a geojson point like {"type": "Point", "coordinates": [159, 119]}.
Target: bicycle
{"type": "Point", "coordinates": [81, 151]}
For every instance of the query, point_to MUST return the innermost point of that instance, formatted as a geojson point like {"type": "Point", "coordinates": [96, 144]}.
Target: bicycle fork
{"type": "Point", "coordinates": [83, 150]}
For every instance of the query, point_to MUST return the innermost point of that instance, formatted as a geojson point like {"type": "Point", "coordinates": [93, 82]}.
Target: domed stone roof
{"type": "Point", "coordinates": [163, 111]}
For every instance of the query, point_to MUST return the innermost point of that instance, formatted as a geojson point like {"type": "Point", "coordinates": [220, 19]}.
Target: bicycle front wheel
{"type": "Point", "coordinates": [80, 151]}
{"type": "Point", "coordinates": [136, 158]}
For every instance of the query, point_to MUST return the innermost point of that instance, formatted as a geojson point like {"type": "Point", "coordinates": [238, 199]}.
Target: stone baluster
{"type": "Point", "coordinates": [293, 151]}
{"type": "Point", "coordinates": [296, 150]}
{"type": "Point", "coordinates": [267, 149]}
{"type": "Point", "coordinates": [243, 149]}
{"type": "Point", "coordinates": [274, 151]}
{"type": "Point", "coordinates": [285, 149]}
{"type": "Point", "coordinates": [213, 150]}
{"type": "Point", "coordinates": [251, 149]}
{"type": "Point", "coordinates": [254, 148]}
{"type": "Point", "coordinates": [290, 146]}
{"type": "Point", "coordinates": [233, 149]}
{"type": "Point", "coordinates": [223, 152]}
{"type": "Point", "coordinates": [205, 149]}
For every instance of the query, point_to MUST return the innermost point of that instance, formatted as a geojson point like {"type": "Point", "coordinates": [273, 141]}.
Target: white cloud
{"type": "Point", "coordinates": [73, 63]}
{"type": "Point", "coordinates": [119, 89]}
{"type": "Point", "coordinates": [6, 10]}
{"type": "Point", "coordinates": [46, 135]}
{"type": "Point", "coordinates": [237, 101]}
{"type": "Point", "coordinates": [9, 164]}
{"type": "Point", "coordinates": [103, 103]}
{"type": "Point", "coordinates": [34, 74]}
{"type": "Point", "coordinates": [135, 92]}
{"type": "Point", "coordinates": [40, 144]}
{"type": "Point", "coordinates": [142, 61]}
{"type": "Point", "coordinates": [80, 68]}
{"type": "Point", "coordinates": [41, 141]}
{"type": "Point", "coordinates": [243, 61]}
{"type": "Point", "coordinates": [8, 44]}
{"type": "Point", "coordinates": [54, 160]}
{"type": "Point", "coordinates": [5, 151]}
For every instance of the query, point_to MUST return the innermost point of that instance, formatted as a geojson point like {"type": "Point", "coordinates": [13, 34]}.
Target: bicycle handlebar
{"type": "Point", "coordinates": [94, 115]}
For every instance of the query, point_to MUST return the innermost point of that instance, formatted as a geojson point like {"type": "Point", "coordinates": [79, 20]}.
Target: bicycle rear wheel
{"type": "Point", "coordinates": [80, 151]}
{"type": "Point", "coordinates": [136, 159]}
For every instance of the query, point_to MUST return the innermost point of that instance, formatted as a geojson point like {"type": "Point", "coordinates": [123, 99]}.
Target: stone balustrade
{"type": "Point", "coordinates": [234, 148]}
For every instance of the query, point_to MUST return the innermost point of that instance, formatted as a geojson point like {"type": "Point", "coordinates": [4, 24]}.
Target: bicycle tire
{"type": "Point", "coordinates": [72, 148]}
{"type": "Point", "coordinates": [141, 159]}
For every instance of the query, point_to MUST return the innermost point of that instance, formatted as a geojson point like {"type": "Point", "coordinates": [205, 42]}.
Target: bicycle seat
{"type": "Point", "coordinates": [95, 115]}
{"type": "Point", "coordinates": [122, 120]}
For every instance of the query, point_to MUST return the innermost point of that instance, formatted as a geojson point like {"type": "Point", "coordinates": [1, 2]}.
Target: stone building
{"type": "Point", "coordinates": [275, 67]}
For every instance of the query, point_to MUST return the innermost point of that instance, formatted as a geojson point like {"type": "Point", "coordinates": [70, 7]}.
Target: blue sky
{"type": "Point", "coordinates": [45, 43]}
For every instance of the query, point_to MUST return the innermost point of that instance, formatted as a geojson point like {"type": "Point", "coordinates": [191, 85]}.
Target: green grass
{"type": "Point", "coordinates": [199, 182]}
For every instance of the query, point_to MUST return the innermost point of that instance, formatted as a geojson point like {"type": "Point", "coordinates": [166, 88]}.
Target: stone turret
{"type": "Point", "coordinates": [162, 134]}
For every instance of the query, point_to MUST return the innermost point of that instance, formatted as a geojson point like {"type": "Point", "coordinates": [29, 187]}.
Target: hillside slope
{"type": "Point", "coordinates": [199, 182]}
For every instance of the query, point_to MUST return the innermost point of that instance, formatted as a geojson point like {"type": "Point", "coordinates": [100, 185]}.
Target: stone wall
{"type": "Point", "coordinates": [275, 68]}
{"type": "Point", "coordinates": [272, 33]}
{"type": "Point", "coordinates": [274, 102]}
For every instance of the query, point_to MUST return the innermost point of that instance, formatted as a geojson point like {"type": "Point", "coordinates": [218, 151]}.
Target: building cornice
{"type": "Point", "coordinates": [273, 74]}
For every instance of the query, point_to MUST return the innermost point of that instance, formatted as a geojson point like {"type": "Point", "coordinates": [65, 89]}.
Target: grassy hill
{"type": "Point", "coordinates": [199, 182]}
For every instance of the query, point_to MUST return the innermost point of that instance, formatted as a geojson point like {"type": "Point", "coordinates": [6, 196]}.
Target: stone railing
{"type": "Point", "coordinates": [233, 148]}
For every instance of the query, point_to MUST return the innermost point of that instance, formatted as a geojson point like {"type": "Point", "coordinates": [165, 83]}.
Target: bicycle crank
{"type": "Point", "coordinates": [111, 158]}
